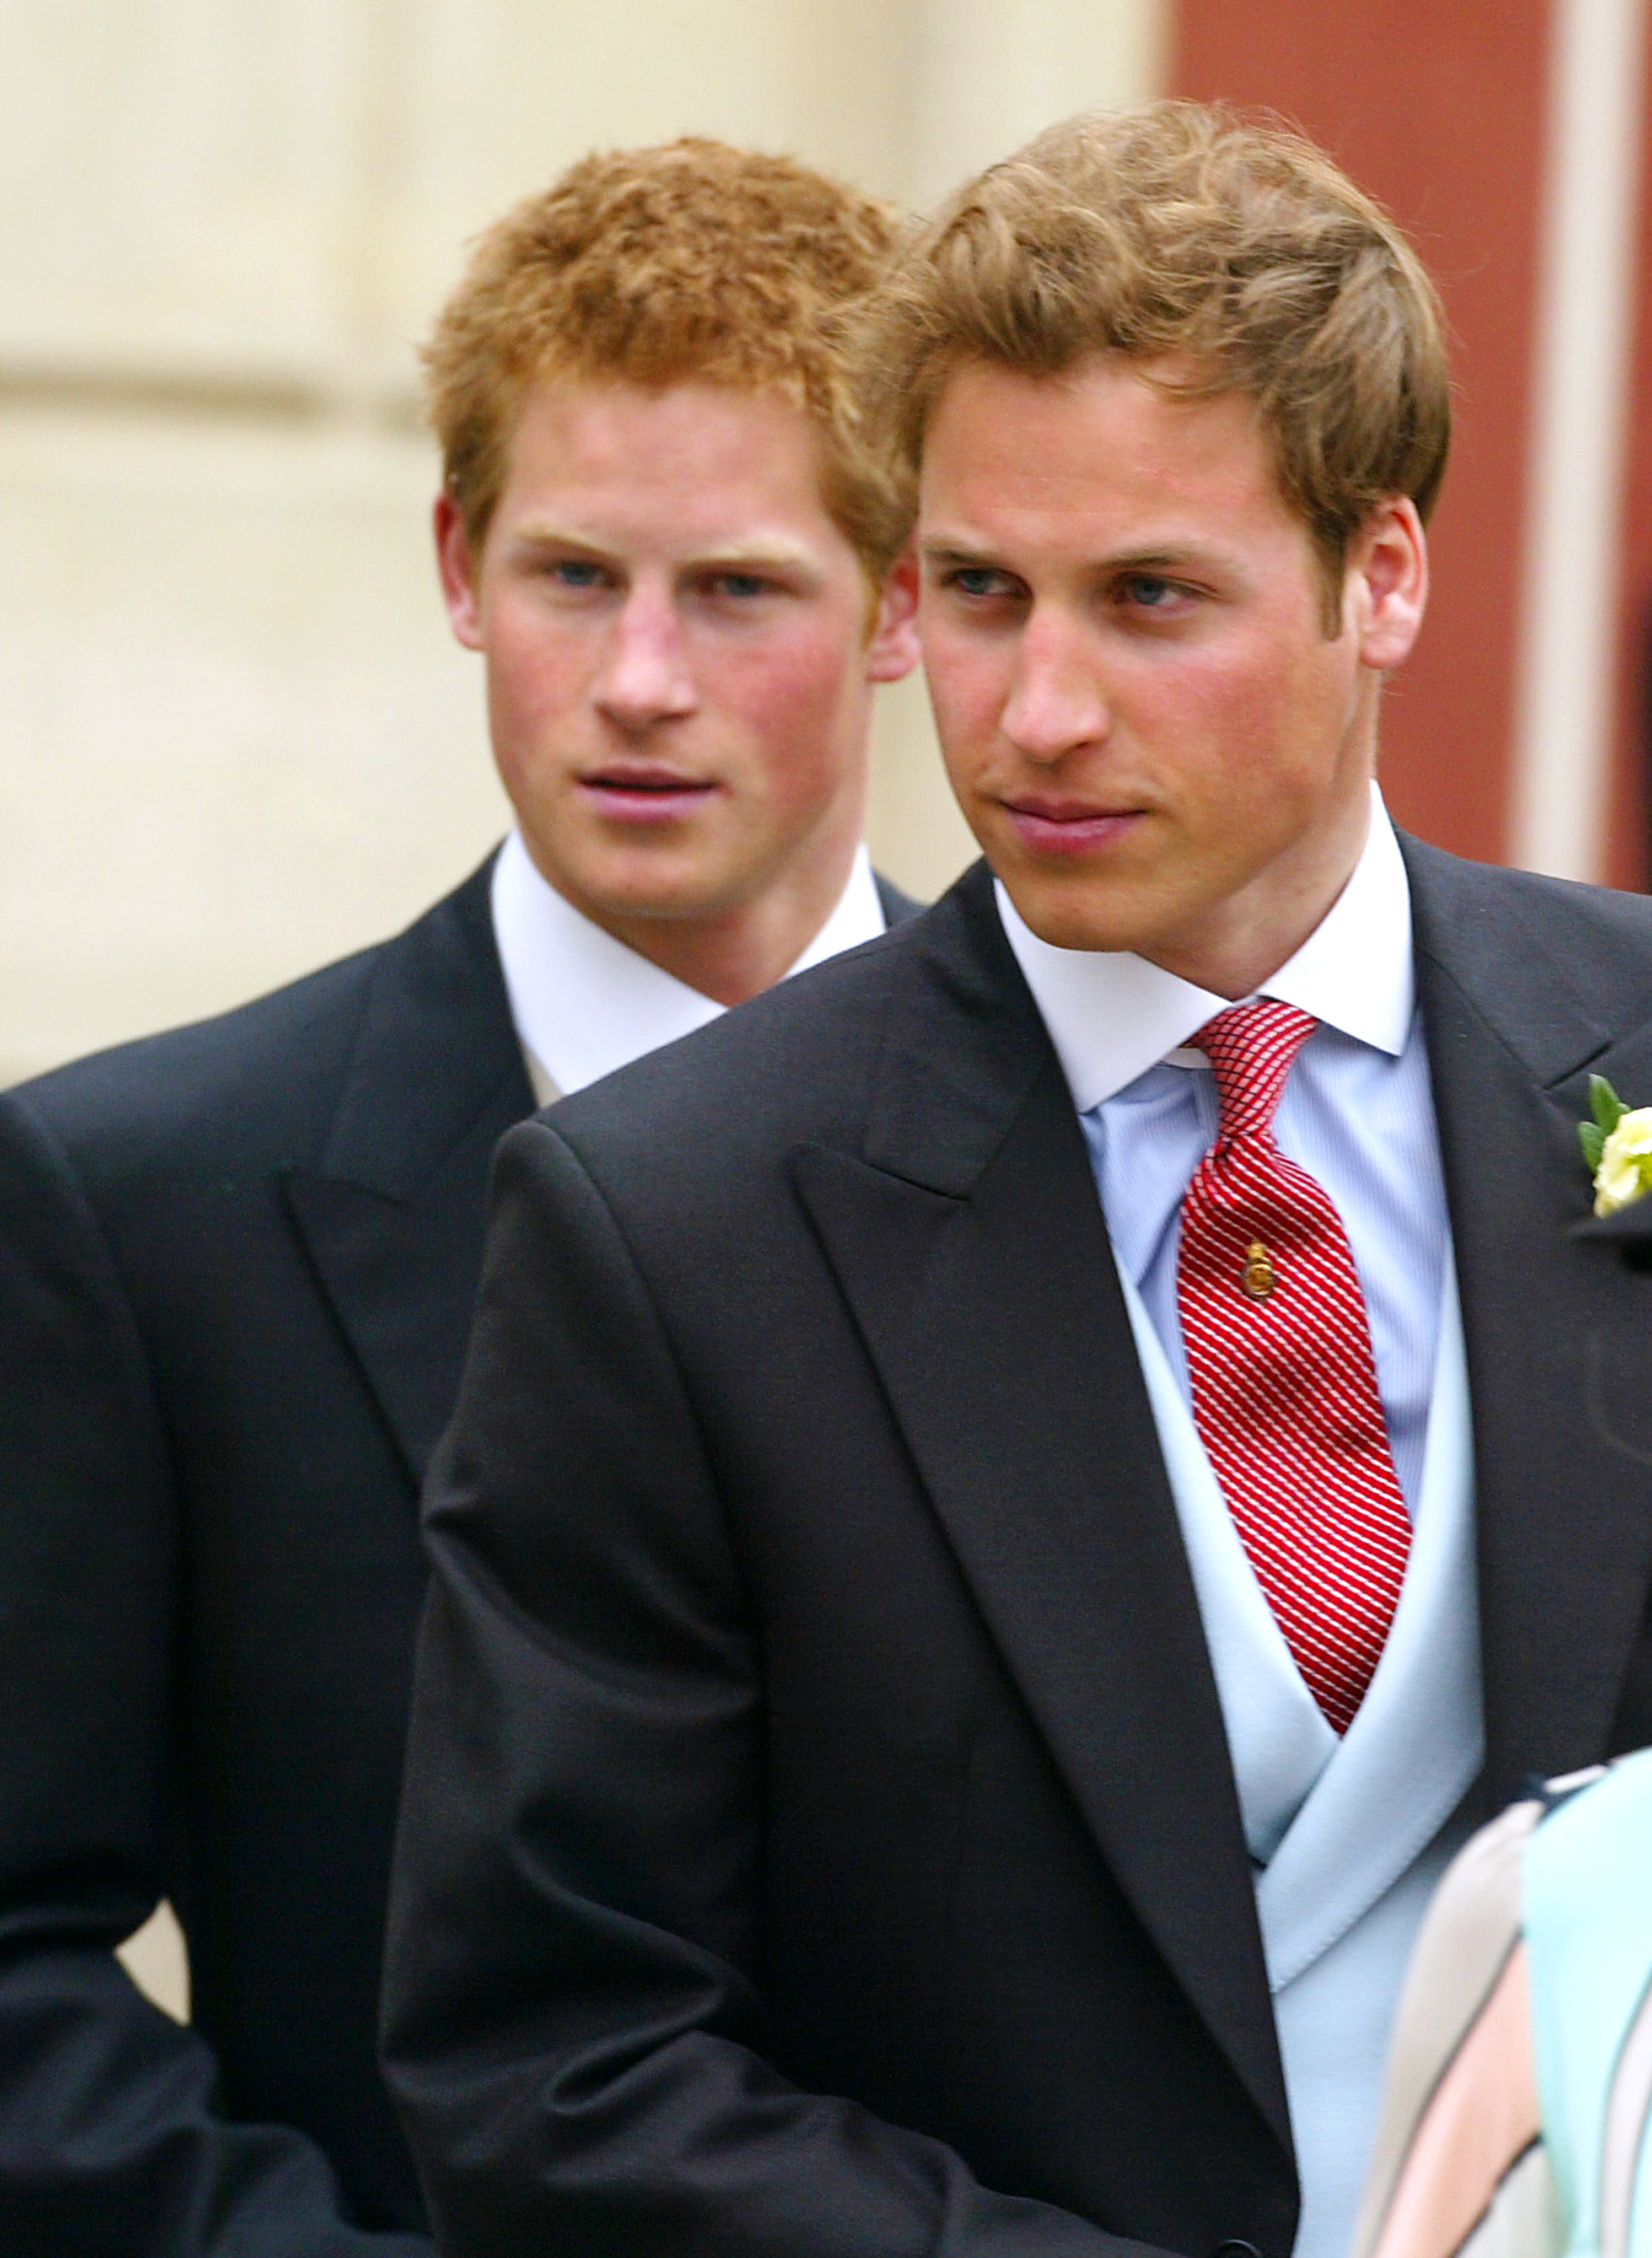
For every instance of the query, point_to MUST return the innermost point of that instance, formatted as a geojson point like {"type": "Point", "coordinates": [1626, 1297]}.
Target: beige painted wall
{"type": "Point", "coordinates": [235, 739]}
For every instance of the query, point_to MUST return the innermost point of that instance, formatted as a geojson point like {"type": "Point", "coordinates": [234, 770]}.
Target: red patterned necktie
{"type": "Point", "coordinates": [1284, 1383]}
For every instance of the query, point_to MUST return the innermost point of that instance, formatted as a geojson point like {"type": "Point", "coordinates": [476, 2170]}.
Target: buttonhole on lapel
{"type": "Point", "coordinates": [1620, 1383]}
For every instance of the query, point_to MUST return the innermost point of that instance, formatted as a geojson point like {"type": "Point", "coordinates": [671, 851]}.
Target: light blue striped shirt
{"type": "Point", "coordinates": [1357, 1113]}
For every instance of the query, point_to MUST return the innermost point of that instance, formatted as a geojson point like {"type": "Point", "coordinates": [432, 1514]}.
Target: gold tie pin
{"type": "Point", "coordinates": [1259, 1279]}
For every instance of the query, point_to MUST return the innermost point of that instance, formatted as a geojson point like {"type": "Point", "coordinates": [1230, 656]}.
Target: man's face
{"type": "Point", "coordinates": [678, 664]}
{"type": "Point", "coordinates": [1154, 739]}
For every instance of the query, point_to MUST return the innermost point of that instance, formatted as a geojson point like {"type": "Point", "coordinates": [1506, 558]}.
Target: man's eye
{"type": "Point", "coordinates": [1150, 590]}
{"type": "Point", "coordinates": [575, 572]}
{"type": "Point", "coordinates": [741, 586]}
{"type": "Point", "coordinates": [978, 580]}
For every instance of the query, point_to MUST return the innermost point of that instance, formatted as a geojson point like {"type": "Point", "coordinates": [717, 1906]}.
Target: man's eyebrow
{"type": "Point", "coordinates": [1178, 559]}
{"type": "Point", "coordinates": [777, 551]}
{"type": "Point", "coordinates": [953, 551]}
{"type": "Point", "coordinates": [1175, 557]}
{"type": "Point", "coordinates": [541, 533]}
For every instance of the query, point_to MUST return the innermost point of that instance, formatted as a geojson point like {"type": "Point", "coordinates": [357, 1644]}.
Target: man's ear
{"type": "Point", "coordinates": [1388, 583]}
{"type": "Point", "coordinates": [892, 652]}
{"type": "Point", "coordinates": [457, 566]}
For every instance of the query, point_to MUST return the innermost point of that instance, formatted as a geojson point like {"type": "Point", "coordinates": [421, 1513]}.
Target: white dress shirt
{"type": "Point", "coordinates": [1357, 1112]}
{"type": "Point", "coordinates": [583, 1004]}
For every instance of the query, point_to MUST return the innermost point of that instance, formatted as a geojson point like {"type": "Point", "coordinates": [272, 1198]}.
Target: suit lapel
{"type": "Point", "coordinates": [393, 1218]}
{"type": "Point", "coordinates": [968, 1240]}
{"type": "Point", "coordinates": [1521, 992]}
{"type": "Point", "coordinates": [896, 905]}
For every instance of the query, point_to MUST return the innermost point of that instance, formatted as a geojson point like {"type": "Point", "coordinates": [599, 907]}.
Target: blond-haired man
{"type": "Point", "coordinates": [236, 1262]}
{"type": "Point", "coordinates": [983, 1574]}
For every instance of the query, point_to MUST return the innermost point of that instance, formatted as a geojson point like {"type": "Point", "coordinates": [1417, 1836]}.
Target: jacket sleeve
{"type": "Point", "coordinates": [110, 2136]}
{"type": "Point", "coordinates": [575, 2026]}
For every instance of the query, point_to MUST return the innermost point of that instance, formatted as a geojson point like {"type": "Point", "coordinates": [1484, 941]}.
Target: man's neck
{"type": "Point", "coordinates": [585, 1002]}
{"type": "Point", "coordinates": [734, 953]}
{"type": "Point", "coordinates": [1253, 934]}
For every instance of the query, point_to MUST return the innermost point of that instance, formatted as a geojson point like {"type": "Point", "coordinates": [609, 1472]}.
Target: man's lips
{"type": "Point", "coordinates": [639, 793]}
{"type": "Point", "coordinates": [1064, 826]}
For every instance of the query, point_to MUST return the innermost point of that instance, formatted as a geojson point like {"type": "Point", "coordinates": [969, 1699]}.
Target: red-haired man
{"type": "Point", "coordinates": [236, 1262]}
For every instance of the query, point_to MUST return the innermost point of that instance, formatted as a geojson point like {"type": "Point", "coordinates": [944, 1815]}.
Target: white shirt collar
{"type": "Point", "coordinates": [585, 1004]}
{"type": "Point", "coordinates": [1111, 1015]}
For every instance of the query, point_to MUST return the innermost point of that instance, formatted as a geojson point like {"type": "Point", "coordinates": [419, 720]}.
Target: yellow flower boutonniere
{"type": "Point", "coordinates": [1618, 1145]}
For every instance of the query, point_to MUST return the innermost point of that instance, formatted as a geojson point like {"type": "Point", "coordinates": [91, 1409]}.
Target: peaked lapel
{"type": "Point", "coordinates": [394, 1216]}
{"type": "Point", "coordinates": [1526, 987]}
{"type": "Point", "coordinates": [896, 905]}
{"type": "Point", "coordinates": [968, 1240]}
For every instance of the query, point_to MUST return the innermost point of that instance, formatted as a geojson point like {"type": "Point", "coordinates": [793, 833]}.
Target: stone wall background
{"type": "Point", "coordinates": [235, 738]}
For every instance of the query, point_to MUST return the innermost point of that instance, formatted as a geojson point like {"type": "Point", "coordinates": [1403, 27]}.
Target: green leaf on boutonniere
{"type": "Point", "coordinates": [1593, 1138]}
{"type": "Point", "coordinates": [1606, 1105]}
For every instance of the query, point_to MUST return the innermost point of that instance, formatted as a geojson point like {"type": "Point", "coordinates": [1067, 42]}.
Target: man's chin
{"type": "Point", "coordinates": [682, 904]}
{"type": "Point", "coordinates": [1072, 910]}
{"type": "Point", "coordinates": [710, 898]}
{"type": "Point", "coordinates": [658, 883]}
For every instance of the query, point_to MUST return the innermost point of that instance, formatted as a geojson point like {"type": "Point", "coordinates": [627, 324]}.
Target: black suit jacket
{"type": "Point", "coordinates": [819, 1836]}
{"type": "Point", "coordinates": [236, 1267]}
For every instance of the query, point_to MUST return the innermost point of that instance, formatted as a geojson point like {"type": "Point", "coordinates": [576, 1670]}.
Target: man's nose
{"type": "Point", "coordinates": [1058, 699]}
{"type": "Point", "coordinates": [645, 675]}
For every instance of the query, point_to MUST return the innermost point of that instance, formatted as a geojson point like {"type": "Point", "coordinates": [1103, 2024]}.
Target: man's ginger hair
{"type": "Point", "coordinates": [689, 263]}
{"type": "Point", "coordinates": [1180, 233]}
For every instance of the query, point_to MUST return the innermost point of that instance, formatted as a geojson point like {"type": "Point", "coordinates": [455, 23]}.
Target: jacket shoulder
{"type": "Point", "coordinates": [1544, 950]}
{"type": "Point", "coordinates": [259, 1081]}
{"type": "Point", "coordinates": [165, 1090]}
{"type": "Point", "coordinates": [1484, 893]}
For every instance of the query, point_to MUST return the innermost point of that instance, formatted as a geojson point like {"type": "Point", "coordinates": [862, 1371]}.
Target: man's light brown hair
{"type": "Point", "coordinates": [689, 263]}
{"type": "Point", "coordinates": [1180, 231]}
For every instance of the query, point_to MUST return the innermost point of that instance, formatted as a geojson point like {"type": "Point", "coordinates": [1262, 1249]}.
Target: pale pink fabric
{"type": "Point", "coordinates": [1480, 2120]}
